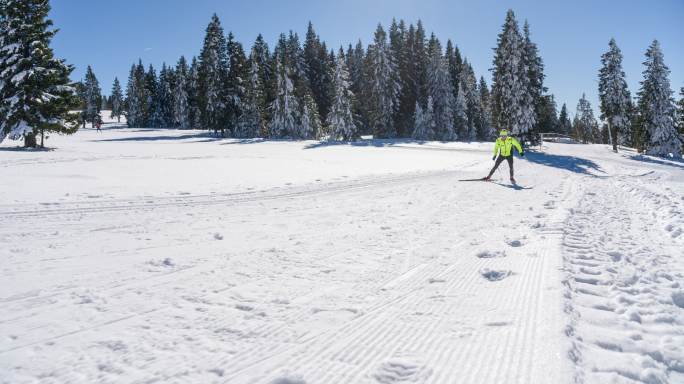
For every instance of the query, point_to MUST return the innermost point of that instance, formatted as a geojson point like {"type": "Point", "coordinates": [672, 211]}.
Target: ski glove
{"type": "Point", "coordinates": [522, 154]}
{"type": "Point", "coordinates": [494, 158]}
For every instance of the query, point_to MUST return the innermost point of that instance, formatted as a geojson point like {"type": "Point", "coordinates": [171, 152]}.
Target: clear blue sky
{"type": "Point", "coordinates": [571, 35]}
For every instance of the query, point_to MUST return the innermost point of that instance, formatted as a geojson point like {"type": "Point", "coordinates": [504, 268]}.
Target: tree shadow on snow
{"type": "Point", "coordinates": [204, 135]}
{"type": "Point", "coordinates": [25, 149]}
{"type": "Point", "coordinates": [677, 163]}
{"type": "Point", "coordinates": [364, 143]}
{"type": "Point", "coordinates": [568, 163]}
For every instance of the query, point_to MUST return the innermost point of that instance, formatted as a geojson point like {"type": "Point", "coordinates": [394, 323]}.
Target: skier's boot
{"type": "Point", "coordinates": [486, 178]}
{"type": "Point", "coordinates": [512, 180]}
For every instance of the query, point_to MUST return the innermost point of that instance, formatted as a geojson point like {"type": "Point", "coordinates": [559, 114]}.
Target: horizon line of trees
{"type": "Point", "coordinates": [404, 84]}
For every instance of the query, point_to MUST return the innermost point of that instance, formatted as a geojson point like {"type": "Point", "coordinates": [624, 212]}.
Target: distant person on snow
{"type": "Point", "coordinates": [98, 124]}
{"type": "Point", "coordinates": [503, 146]}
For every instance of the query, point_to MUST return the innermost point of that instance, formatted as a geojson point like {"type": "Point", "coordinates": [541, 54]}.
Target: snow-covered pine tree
{"type": "Point", "coordinates": [165, 97]}
{"type": "Point", "coordinates": [93, 97]}
{"type": "Point", "coordinates": [585, 125]}
{"type": "Point", "coordinates": [236, 83]}
{"type": "Point", "coordinates": [310, 122]}
{"type": "Point", "coordinates": [461, 113]}
{"type": "Point", "coordinates": [285, 107]}
{"type": "Point", "coordinates": [252, 112]}
{"type": "Point", "coordinates": [533, 79]}
{"type": "Point", "coordinates": [398, 43]}
{"type": "Point", "coordinates": [261, 53]}
{"type": "Point", "coordinates": [133, 112]}
{"type": "Point", "coordinates": [441, 90]}
{"type": "Point", "coordinates": [421, 59]}
{"type": "Point", "coordinates": [547, 115]}
{"type": "Point", "coordinates": [357, 78]}
{"type": "Point", "coordinates": [656, 107]}
{"type": "Point", "coordinates": [384, 86]}
{"type": "Point", "coordinates": [194, 97]}
{"type": "Point", "coordinates": [680, 113]}
{"type": "Point", "coordinates": [453, 55]}
{"type": "Point", "coordinates": [136, 97]}
{"type": "Point", "coordinates": [154, 113]}
{"type": "Point", "coordinates": [212, 72]}
{"type": "Point", "coordinates": [408, 95]}
{"type": "Point", "coordinates": [35, 91]}
{"type": "Point", "coordinates": [510, 104]}
{"type": "Point", "coordinates": [104, 102]}
{"type": "Point", "coordinates": [613, 94]}
{"type": "Point", "coordinates": [468, 81]}
{"type": "Point", "coordinates": [117, 101]}
{"type": "Point", "coordinates": [315, 67]}
{"type": "Point", "coordinates": [485, 129]}
{"type": "Point", "coordinates": [181, 108]}
{"type": "Point", "coordinates": [340, 119]}
{"type": "Point", "coordinates": [564, 124]}
{"type": "Point", "coordinates": [424, 123]}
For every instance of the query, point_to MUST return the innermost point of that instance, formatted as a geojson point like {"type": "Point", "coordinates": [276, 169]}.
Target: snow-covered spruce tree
{"type": "Point", "coordinates": [441, 90]}
{"type": "Point", "coordinates": [680, 113]}
{"type": "Point", "coordinates": [585, 126]}
{"type": "Point", "coordinates": [236, 85]}
{"type": "Point", "coordinates": [468, 81]}
{"type": "Point", "coordinates": [485, 129]}
{"type": "Point", "coordinates": [285, 107]}
{"type": "Point", "coordinates": [117, 101]}
{"type": "Point", "coordinates": [212, 72]}
{"type": "Point", "coordinates": [399, 48]}
{"type": "Point", "coordinates": [357, 78]}
{"type": "Point", "coordinates": [261, 53]}
{"type": "Point", "coordinates": [407, 96]}
{"type": "Point", "coordinates": [510, 98]}
{"type": "Point", "coordinates": [461, 112]}
{"type": "Point", "coordinates": [424, 123]}
{"type": "Point", "coordinates": [133, 112]}
{"type": "Point", "coordinates": [154, 113]}
{"type": "Point", "coordinates": [165, 96]}
{"type": "Point", "coordinates": [310, 122]}
{"type": "Point", "coordinates": [35, 91]}
{"type": "Point", "coordinates": [252, 111]}
{"type": "Point", "coordinates": [92, 95]}
{"type": "Point", "coordinates": [453, 55]}
{"type": "Point", "coordinates": [340, 119]}
{"type": "Point", "coordinates": [533, 79]}
{"type": "Point", "coordinates": [315, 62]}
{"type": "Point", "coordinates": [384, 86]}
{"type": "Point", "coordinates": [656, 106]}
{"type": "Point", "coordinates": [193, 84]}
{"type": "Point", "coordinates": [547, 115]}
{"type": "Point", "coordinates": [181, 110]}
{"type": "Point", "coordinates": [136, 97]}
{"type": "Point", "coordinates": [613, 94]}
{"type": "Point", "coordinates": [564, 124]}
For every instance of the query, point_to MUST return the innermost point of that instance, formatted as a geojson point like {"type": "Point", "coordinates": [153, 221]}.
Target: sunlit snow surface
{"type": "Point", "coordinates": [137, 255]}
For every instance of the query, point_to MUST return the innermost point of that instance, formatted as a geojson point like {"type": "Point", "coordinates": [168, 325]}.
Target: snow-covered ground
{"type": "Point", "coordinates": [138, 255]}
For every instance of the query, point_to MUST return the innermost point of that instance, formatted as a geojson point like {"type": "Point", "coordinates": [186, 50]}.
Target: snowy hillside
{"type": "Point", "coordinates": [139, 255]}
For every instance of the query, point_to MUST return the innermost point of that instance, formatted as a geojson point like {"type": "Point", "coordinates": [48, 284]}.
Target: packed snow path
{"type": "Point", "coordinates": [149, 255]}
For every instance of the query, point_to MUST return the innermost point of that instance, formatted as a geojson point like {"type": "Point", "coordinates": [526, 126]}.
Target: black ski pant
{"type": "Point", "coordinates": [498, 162]}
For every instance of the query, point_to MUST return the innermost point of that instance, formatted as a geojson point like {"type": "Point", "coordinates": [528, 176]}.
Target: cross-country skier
{"type": "Point", "coordinates": [503, 146]}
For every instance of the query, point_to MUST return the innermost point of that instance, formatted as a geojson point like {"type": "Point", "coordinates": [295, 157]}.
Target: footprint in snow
{"type": "Point", "coordinates": [678, 299]}
{"type": "Point", "coordinates": [514, 243]}
{"type": "Point", "coordinates": [490, 254]}
{"type": "Point", "coordinates": [287, 379]}
{"type": "Point", "coordinates": [494, 275]}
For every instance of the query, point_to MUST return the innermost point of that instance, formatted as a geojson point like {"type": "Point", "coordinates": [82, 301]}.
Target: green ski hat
{"type": "Point", "coordinates": [503, 132]}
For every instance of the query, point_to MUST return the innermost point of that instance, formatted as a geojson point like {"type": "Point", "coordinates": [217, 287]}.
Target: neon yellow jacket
{"type": "Point", "coordinates": [506, 145]}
